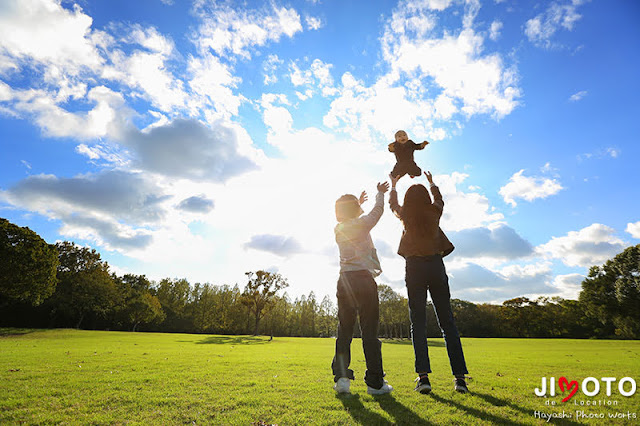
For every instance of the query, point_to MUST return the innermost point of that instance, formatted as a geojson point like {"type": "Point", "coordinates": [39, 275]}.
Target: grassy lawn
{"type": "Point", "coordinates": [80, 377]}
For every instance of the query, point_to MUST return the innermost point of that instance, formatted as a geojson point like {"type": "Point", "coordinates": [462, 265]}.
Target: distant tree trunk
{"type": "Point", "coordinates": [135, 326]}
{"type": "Point", "coordinates": [255, 331]}
{"type": "Point", "coordinates": [80, 320]}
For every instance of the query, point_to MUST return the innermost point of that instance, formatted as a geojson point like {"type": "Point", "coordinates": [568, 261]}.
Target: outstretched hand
{"type": "Point", "coordinates": [363, 197]}
{"type": "Point", "coordinates": [394, 180]}
{"type": "Point", "coordinates": [429, 176]}
{"type": "Point", "coordinates": [383, 187]}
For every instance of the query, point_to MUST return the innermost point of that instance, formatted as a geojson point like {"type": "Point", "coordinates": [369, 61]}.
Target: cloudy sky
{"type": "Point", "coordinates": [205, 139]}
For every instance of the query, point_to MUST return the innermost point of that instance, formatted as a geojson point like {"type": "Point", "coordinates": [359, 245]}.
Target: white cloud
{"type": "Point", "coordinates": [494, 30]}
{"type": "Point", "coordinates": [104, 119]}
{"type": "Point", "coordinates": [578, 96]}
{"type": "Point", "coordinates": [314, 23]}
{"type": "Point", "coordinates": [528, 188]}
{"type": "Point", "coordinates": [498, 241]}
{"type": "Point", "coordinates": [610, 152]}
{"type": "Point", "coordinates": [569, 285]}
{"type": "Point", "coordinates": [196, 204]}
{"type": "Point", "coordinates": [129, 196]}
{"type": "Point", "coordinates": [108, 233]}
{"type": "Point", "coordinates": [432, 80]}
{"type": "Point", "coordinates": [470, 281]}
{"type": "Point", "coordinates": [46, 32]}
{"type": "Point", "coordinates": [213, 83]}
{"type": "Point", "coordinates": [367, 113]}
{"type": "Point", "coordinates": [432, 4]}
{"type": "Point", "coordinates": [226, 30]}
{"type": "Point", "coordinates": [456, 63]}
{"type": "Point", "coordinates": [613, 152]}
{"type": "Point", "coordinates": [589, 246]}
{"type": "Point", "coordinates": [92, 153]}
{"type": "Point", "coordinates": [276, 244]}
{"type": "Point", "coordinates": [463, 210]}
{"type": "Point", "coordinates": [269, 67]}
{"type": "Point", "coordinates": [190, 149]}
{"type": "Point", "coordinates": [316, 78]}
{"type": "Point", "coordinates": [541, 29]}
{"type": "Point", "coordinates": [145, 70]}
{"type": "Point", "coordinates": [634, 230]}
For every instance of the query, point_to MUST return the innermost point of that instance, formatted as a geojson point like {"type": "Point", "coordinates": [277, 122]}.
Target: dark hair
{"type": "Point", "coordinates": [418, 214]}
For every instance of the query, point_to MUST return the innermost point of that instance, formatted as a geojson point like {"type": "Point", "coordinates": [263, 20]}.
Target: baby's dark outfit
{"type": "Point", "coordinates": [404, 158]}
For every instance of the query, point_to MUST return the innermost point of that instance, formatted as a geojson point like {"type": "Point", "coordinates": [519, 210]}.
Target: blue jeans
{"type": "Point", "coordinates": [428, 274]}
{"type": "Point", "coordinates": [358, 297]}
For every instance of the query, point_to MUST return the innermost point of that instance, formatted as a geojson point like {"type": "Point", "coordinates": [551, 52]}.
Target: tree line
{"type": "Point", "coordinates": [66, 285]}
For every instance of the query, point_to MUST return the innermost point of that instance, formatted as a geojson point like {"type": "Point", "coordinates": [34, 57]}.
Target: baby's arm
{"type": "Point", "coordinates": [422, 145]}
{"type": "Point", "coordinates": [392, 147]}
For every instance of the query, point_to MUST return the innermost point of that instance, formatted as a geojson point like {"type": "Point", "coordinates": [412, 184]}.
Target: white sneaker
{"type": "Point", "coordinates": [342, 385]}
{"type": "Point", "coordinates": [386, 388]}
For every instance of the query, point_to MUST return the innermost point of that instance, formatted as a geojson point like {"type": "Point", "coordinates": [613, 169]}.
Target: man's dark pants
{"type": "Point", "coordinates": [428, 274]}
{"type": "Point", "coordinates": [358, 296]}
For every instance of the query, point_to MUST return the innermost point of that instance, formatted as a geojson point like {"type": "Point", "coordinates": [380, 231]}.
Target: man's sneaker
{"type": "Point", "coordinates": [461, 385]}
{"type": "Point", "coordinates": [342, 385]}
{"type": "Point", "coordinates": [423, 386]}
{"type": "Point", "coordinates": [386, 388]}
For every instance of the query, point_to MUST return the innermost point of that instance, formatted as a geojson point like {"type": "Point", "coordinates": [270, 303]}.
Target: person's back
{"type": "Point", "coordinates": [422, 235]}
{"type": "Point", "coordinates": [423, 245]}
{"type": "Point", "coordinates": [353, 237]}
{"type": "Point", "coordinates": [357, 292]}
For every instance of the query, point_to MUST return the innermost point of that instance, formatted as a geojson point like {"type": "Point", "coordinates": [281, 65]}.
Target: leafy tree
{"type": "Point", "coordinates": [611, 294]}
{"type": "Point", "coordinates": [85, 287]}
{"type": "Point", "coordinates": [328, 321]}
{"type": "Point", "coordinates": [394, 318]}
{"type": "Point", "coordinates": [27, 265]}
{"type": "Point", "coordinates": [139, 305]}
{"type": "Point", "coordinates": [308, 314]}
{"type": "Point", "coordinates": [259, 294]}
{"type": "Point", "coordinates": [175, 296]}
{"type": "Point", "coordinates": [516, 315]}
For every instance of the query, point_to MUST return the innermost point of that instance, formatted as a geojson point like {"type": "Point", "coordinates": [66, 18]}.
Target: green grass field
{"type": "Point", "coordinates": [97, 377]}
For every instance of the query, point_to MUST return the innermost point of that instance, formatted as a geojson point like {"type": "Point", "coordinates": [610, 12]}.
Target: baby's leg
{"type": "Point", "coordinates": [414, 170]}
{"type": "Point", "coordinates": [398, 171]}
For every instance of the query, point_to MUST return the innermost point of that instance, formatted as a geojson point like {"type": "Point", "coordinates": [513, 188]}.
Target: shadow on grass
{"type": "Point", "coordinates": [360, 414]}
{"type": "Point", "coordinates": [401, 414]}
{"type": "Point", "coordinates": [233, 340]}
{"type": "Point", "coordinates": [8, 331]}
{"type": "Point", "coordinates": [430, 342]}
{"type": "Point", "coordinates": [498, 402]}
{"type": "Point", "coordinates": [480, 414]}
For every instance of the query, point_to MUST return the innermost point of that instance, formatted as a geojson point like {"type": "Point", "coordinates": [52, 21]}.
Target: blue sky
{"type": "Point", "coordinates": [205, 139]}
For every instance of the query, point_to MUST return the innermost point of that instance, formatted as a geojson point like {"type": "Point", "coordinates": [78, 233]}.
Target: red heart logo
{"type": "Point", "coordinates": [562, 381]}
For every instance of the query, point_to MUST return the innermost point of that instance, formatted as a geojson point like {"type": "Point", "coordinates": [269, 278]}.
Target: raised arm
{"type": "Point", "coordinates": [370, 220]}
{"type": "Point", "coordinates": [396, 208]}
{"type": "Point", "coordinates": [438, 202]}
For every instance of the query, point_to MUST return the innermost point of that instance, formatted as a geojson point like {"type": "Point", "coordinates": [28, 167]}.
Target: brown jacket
{"type": "Point", "coordinates": [413, 244]}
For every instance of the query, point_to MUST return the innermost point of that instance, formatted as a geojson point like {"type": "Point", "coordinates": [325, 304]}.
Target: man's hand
{"type": "Point", "coordinates": [394, 180]}
{"type": "Point", "coordinates": [383, 187]}
{"type": "Point", "coordinates": [363, 198]}
{"type": "Point", "coordinates": [429, 177]}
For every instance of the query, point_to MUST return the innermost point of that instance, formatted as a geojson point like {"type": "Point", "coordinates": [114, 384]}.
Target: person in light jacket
{"type": "Point", "coordinates": [358, 292]}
